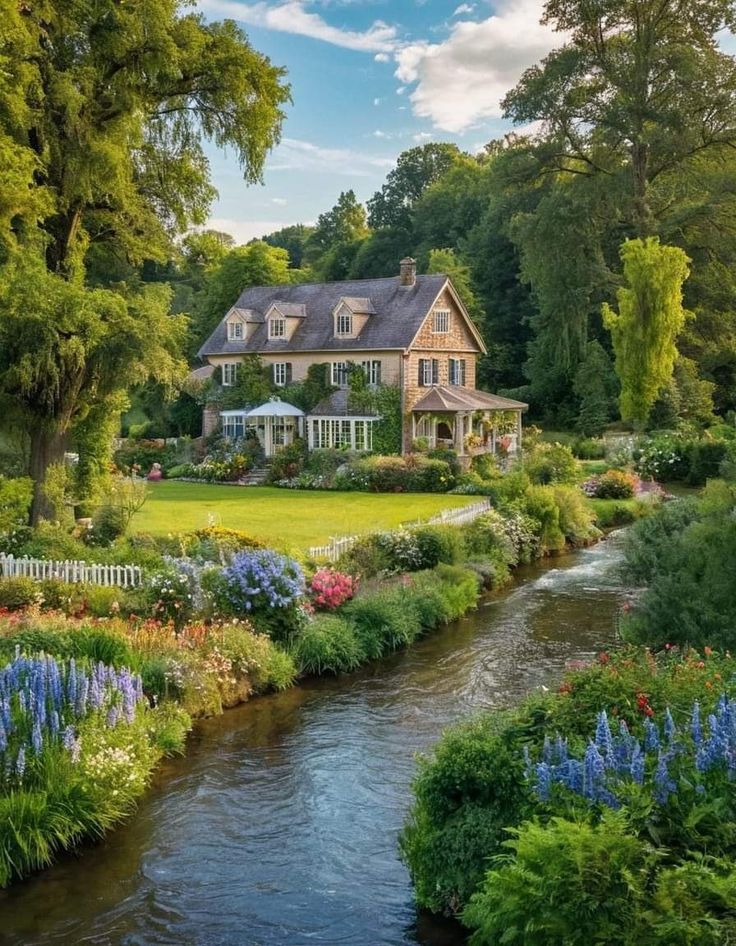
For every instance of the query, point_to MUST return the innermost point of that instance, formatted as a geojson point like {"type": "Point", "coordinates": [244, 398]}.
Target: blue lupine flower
{"type": "Point", "coordinates": [696, 729]}
{"type": "Point", "coordinates": [669, 725]}
{"type": "Point", "coordinates": [651, 735]}
{"type": "Point", "coordinates": [603, 738]}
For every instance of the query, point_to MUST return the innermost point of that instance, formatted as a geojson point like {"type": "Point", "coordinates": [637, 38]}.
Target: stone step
{"type": "Point", "coordinates": [255, 477]}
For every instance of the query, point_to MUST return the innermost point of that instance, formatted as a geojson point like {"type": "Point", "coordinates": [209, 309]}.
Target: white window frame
{"type": "Point", "coordinates": [339, 374]}
{"type": "Point", "coordinates": [457, 372]}
{"type": "Point", "coordinates": [233, 428]}
{"type": "Point", "coordinates": [277, 327]}
{"type": "Point", "coordinates": [229, 373]}
{"type": "Point", "coordinates": [428, 374]}
{"type": "Point", "coordinates": [279, 373]}
{"type": "Point", "coordinates": [235, 331]}
{"type": "Point", "coordinates": [344, 323]}
{"type": "Point", "coordinates": [441, 322]}
{"type": "Point", "coordinates": [372, 371]}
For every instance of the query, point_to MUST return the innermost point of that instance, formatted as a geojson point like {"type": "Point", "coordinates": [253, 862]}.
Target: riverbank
{"type": "Point", "coordinates": [306, 790]}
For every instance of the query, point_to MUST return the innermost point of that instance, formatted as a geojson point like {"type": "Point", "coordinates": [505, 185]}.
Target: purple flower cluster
{"type": "Point", "coordinates": [42, 701]}
{"type": "Point", "coordinates": [261, 579]}
{"type": "Point", "coordinates": [612, 762]}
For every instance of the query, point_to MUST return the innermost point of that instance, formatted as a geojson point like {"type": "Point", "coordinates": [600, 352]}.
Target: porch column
{"type": "Point", "coordinates": [413, 427]}
{"type": "Point", "coordinates": [460, 433]}
{"type": "Point", "coordinates": [518, 431]}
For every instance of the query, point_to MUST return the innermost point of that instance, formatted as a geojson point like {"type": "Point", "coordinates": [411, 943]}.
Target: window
{"type": "Point", "coordinates": [233, 428]}
{"type": "Point", "coordinates": [441, 321]}
{"type": "Point", "coordinates": [457, 371]}
{"type": "Point", "coordinates": [372, 371]}
{"type": "Point", "coordinates": [339, 374]}
{"type": "Point", "coordinates": [344, 323]}
{"type": "Point", "coordinates": [277, 328]}
{"type": "Point", "coordinates": [229, 374]}
{"type": "Point", "coordinates": [337, 432]}
{"type": "Point", "coordinates": [234, 331]}
{"type": "Point", "coordinates": [429, 372]}
{"type": "Point", "coordinates": [281, 373]}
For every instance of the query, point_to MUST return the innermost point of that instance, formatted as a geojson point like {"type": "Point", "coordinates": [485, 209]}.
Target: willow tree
{"type": "Point", "coordinates": [104, 108]}
{"type": "Point", "coordinates": [649, 320]}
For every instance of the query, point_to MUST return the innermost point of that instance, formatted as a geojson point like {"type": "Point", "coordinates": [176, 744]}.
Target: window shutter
{"type": "Point", "coordinates": [377, 365]}
{"type": "Point", "coordinates": [422, 362]}
{"type": "Point", "coordinates": [435, 371]}
{"type": "Point", "coordinates": [462, 372]}
{"type": "Point", "coordinates": [288, 372]}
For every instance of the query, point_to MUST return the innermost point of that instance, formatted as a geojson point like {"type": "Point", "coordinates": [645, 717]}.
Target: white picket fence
{"type": "Point", "coordinates": [125, 576]}
{"type": "Point", "coordinates": [336, 548]}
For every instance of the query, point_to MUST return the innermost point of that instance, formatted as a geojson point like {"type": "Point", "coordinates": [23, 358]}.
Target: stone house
{"type": "Point", "coordinates": [409, 331]}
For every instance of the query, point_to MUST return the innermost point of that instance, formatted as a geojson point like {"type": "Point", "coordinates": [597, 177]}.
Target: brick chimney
{"type": "Point", "coordinates": [407, 272]}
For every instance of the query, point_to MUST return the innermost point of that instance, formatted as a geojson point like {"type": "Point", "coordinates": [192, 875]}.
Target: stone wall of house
{"type": "Point", "coordinates": [300, 361]}
{"type": "Point", "coordinates": [458, 342]}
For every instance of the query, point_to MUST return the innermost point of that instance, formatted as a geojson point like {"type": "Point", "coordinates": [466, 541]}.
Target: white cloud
{"type": "Point", "coordinates": [292, 17]}
{"type": "Point", "coordinates": [292, 154]}
{"type": "Point", "coordinates": [464, 8]}
{"type": "Point", "coordinates": [462, 80]}
{"type": "Point", "coordinates": [382, 57]}
{"type": "Point", "coordinates": [377, 101]}
{"type": "Point", "coordinates": [421, 136]}
{"type": "Point", "coordinates": [379, 134]}
{"type": "Point", "coordinates": [279, 201]}
{"type": "Point", "coordinates": [244, 230]}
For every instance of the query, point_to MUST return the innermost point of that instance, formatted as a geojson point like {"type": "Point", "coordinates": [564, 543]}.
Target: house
{"type": "Point", "coordinates": [409, 331]}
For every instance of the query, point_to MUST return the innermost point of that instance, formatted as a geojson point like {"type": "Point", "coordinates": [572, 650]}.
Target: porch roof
{"type": "Point", "coordinates": [337, 404]}
{"type": "Point", "coordinates": [456, 399]}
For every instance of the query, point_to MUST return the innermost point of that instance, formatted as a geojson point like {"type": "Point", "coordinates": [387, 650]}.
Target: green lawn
{"type": "Point", "coordinates": [282, 517]}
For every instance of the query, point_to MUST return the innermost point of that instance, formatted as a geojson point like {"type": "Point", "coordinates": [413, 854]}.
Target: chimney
{"type": "Point", "coordinates": [407, 272]}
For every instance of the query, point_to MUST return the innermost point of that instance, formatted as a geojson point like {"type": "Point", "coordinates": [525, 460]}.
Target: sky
{"type": "Point", "coordinates": [369, 79]}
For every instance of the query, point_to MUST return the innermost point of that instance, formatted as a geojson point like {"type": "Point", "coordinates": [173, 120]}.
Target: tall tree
{"type": "Point", "coordinates": [291, 239]}
{"type": "Point", "coordinates": [415, 170]}
{"type": "Point", "coordinates": [345, 223]}
{"type": "Point", "coordinates": [649, 320]}
{"type": "Point", "coordinates": [640, 87]}
{"type": "Point", "coordinates": [101, 125]}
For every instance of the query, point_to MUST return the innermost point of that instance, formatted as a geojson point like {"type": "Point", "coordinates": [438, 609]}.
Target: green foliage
{"type": "Point", "coordinates": [595, 385]}
{"type": "Point", "coordinates": [384, 621]}
{"type": "Point", "coordinates": [650, 319]}
{"type": "Point", "coordinates": [438, 544]}
{"type": "Point", "coordinates": [688, 559]}
{"type": "Point", "coordinates": [17, 593]}
{"type": "Point", "coordinates": [384, 401]}
{"type": "Point", "coordinates": [576, 518]}
{"type": "Point", "coordinates": [568, 882]}
{"type": "Point", "coordinates": [328, 644]}
{"type": "Point", "coordinates": [551, 463]}
{"type": "Point", "coordinates": [15, 502]}
{"type": "Point", "coordinates": [540, 503]}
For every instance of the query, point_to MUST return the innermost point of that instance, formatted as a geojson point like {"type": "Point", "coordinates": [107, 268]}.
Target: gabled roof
{"type": "Point", "coordinates": [464, 399]}
{"type": "Point", "coordinates": [289, 310]}
{"type": "Point", "coordinates": [358, 306]}
{"type": "Point", "coordinates": [399, 314]}
{"type": "Point", "coordinates": [246, 315]}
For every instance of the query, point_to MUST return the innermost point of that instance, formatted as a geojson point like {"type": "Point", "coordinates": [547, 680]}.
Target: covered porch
{"type": "Point", "coordinates": [469, 422]}
{"type": "Point", "coordinates": [276, 424]}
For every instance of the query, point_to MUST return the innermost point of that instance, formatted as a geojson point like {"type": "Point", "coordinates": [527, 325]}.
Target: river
{"type": "Point", "coordinates": [279, 827]}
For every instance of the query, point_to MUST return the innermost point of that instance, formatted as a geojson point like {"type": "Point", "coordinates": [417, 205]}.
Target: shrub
{"type": "Point", "coordinates": [580, 883]}
{"type": "Point", "coordinates": [586, 448]}
{"type": "Point", "coordinates": [262, 580]}
{"type": "Point", "coordinates": [486, 535]}
{"type": "Point", "coordinates": [140, 455]}
{"type": "Point", "coordinates": [330, 589]}
{"type": "Point", "coordinates": [551, 463]}
{"type": "Point", "coordinates": [366, 558]}
{"type": "Point", "coordinates": [108, 524]}
{"type": "Point", "coordinates": [15, 502]}
{"type": "Point", "coordinates": [575, 516]}
{"type": "Point", "coordinates": [255, 655]}
{"type": "Point", "coordinates": [288, 462]}
{"type": "Point", "coordinates": [415, 473]}
{"type": "Point", "coordinates": [329, 644]}
{"type": "Point", "coordinates": [705, 458]}
{"type": "Point", "coordinates": [438, 544]}
{"type": "Point", "coordinates": [401, 550]}
{"type": "Point", "coordinates": [541, 505]}
{"type": "Point", "coordinates": [18, 593]}
{"type": "Point", "coordinates": [613, 484]}
{"type": "Point", "coordinates": [384, 621]}
{"type": "Point", "coordinates": [172, 597]}
{"type": "Point", "coordinates": [428, 475]}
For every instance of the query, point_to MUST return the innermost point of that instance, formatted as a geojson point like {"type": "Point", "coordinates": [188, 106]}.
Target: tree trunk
{"type": "Point", "coordinates": [47, 447]}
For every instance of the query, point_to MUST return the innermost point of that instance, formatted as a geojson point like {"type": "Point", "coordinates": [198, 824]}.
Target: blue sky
{"type": "Point", "coordinates": [369, 79]}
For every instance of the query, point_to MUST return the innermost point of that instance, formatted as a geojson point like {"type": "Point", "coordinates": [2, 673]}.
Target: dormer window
{"type": "Point", "coordinates": [344, 323]}
{"type": "Point", "coordinates": [441, 322]}
{"type": "Point", "coordinates": [277, 328]}
{"type": "Point", "coordinates": [235, 331]}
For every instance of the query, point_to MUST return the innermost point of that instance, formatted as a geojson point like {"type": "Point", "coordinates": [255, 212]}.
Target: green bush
{"type": "Point", "coordinates": [541, 505]}
{"type": "Point", "coordinates": [705, 458]}
{"type": "Point", "coordinates": [17, 593]}
{"type": "Point", "coordinates": [576, 518]}
{"type": "Point", "coordinates": [142, 454]}
{"type": "Point", "coordinates": [587, 448]}
{"type": "Point", "coordinates": [367, 558]}
{"type": "Point", "coordinates": [384, 621]}
{"type": "Point", "coordinates": [566, 882]}
{"type": "Point", "coordinates": [328, 644]}
{"type": "Point", "coordinates": [15, 502]}
{"type": "Point", "coordinates": [288, 462]}
{"type": "Point", "coordinates": [486, 536]}
{"type": "Point", "coordinates": [388, 474]}
{"type": "Point", "coordinates": [438, 544]}
{"type": "Point", "coordinates": [428, 475]}
{"type": "Point", "coordinates": [615, 484]}
{"type": "Point", "coordinates": [551, 463]}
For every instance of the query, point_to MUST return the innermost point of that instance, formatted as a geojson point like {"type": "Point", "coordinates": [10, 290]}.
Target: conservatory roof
{"type": "Point", "coordinates": [276, 408]}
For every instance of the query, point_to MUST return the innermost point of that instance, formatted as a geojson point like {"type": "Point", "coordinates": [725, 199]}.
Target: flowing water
{"type": "Point", "coordinates": [279, 828]}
